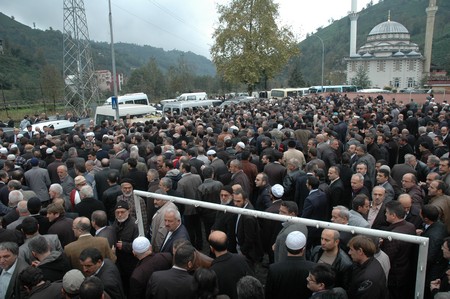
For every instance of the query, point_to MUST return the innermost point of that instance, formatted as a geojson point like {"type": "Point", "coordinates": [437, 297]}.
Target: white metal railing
{"type": "Point", "coordinates": [421, 241]}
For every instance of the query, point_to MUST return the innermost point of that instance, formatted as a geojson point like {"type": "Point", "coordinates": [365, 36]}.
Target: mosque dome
{"type": "Point", "coordinates": [388, 27]}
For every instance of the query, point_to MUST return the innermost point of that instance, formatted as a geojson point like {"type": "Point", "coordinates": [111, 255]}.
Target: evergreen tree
{"type": "Point", "coordinates": [361, 79]}
{"type": "Point", "coordinates": [147, 79]}
{"type": "Point", "coordinates": [295, 75]}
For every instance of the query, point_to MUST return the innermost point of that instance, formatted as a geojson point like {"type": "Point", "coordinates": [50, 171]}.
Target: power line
{"type": "Point", "coordinates": [169, 12]}
{"type": "Point", "coordinates": [160, 28]}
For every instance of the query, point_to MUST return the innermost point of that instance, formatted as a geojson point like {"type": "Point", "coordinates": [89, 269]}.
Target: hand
{"type": "Point", "coordinates": [119, 245]}
{"type": "Point", "coordinates": [35, 263]}
{"type": "Point", "coordinates": [435, 284]}
{"type": "Point", "coordinates": [419, 232]}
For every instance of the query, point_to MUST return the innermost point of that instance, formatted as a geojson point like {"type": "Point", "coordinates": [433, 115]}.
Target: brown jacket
{"type": "Point", "coordinates": [443, 204]}
{"type": "Point", "coordinates": [73, 250]}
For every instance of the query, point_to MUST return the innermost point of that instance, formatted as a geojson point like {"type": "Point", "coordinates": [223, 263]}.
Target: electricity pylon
{"type": "Point", "coordinates": [81, 87]}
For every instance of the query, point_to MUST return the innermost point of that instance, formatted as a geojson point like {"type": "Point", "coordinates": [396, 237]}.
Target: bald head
{"type": "Point", "coordinates": [329, 240]}
{"type": "Point", "coordinates": [82, 225]}
{"type": "Point", "coordinates": [218, 242]}
{"type": "Point", "coordinates": [406, 201]}
{"type": "Point", "coordinates": [331, 233]}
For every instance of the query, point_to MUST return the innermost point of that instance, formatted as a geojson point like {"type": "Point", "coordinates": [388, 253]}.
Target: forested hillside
{"type": "Point", "coordinates": [27, 51]}
{"type": "Point", "coordinates": [336, 37]}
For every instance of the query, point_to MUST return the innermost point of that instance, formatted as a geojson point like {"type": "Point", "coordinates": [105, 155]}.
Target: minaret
{"type": "Point", "coordinates": [353, 15]}
{"type": "Point", "coordinates": [431, 13]}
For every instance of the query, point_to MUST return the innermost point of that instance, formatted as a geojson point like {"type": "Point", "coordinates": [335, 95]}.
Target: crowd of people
{"type": "Point", "coordinates": [70, 217]}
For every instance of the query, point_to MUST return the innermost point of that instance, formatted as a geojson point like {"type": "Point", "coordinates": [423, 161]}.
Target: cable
{"type": "Point", "coordinates": [160, 28]}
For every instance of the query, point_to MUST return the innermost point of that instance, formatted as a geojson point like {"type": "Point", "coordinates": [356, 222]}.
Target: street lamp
{"type": "Point", "coordinates": [323, 55]}
{"type": "Point", "coordinates": [113, 58]}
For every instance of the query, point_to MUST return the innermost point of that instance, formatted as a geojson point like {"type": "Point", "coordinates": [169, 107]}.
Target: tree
{"type": "Point", "coordinates": [180, 78]}
{"type": "Point", "coordinates": [147, 79]}
{"type": "Point", "coordinates": [52, 84]}
{"type": "Point", "coordinates": [248, 45]}
{"type": "Point", "coordinates": [295, 75]}
{"type": "Point", "coordinates": [361, 78]}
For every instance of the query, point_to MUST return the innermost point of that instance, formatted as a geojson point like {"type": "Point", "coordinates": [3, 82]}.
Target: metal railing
{"type": "Point", "coordinates": [421, 241]}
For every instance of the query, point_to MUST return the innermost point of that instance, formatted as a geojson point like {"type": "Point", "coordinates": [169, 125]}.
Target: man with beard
{"type": "Point", "coordinates": [127, 231]}
{"type": "Point", "coordinates": [225, 221]}
{"type": "Point", "coordinates": [247, 230]}
{"type": "Point", "coordinates": [128, 196]}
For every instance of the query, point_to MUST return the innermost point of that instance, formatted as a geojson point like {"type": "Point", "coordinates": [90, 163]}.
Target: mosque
{"type": "Point", "coordinates": [388, 56]}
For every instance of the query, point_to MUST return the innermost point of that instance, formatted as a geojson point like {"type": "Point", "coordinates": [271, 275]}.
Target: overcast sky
{"type": "Point", "coordinates": [185, 25]}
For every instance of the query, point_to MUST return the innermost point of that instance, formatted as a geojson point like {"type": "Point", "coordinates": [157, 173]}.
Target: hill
{"type": "Point", "coordinates": [336, 37]}
{"type": "Point", "coordinates": [27, 50]}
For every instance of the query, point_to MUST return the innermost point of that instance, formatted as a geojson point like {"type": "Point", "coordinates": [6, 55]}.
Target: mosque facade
{"type": "Point", "coordinates": [388, 57]}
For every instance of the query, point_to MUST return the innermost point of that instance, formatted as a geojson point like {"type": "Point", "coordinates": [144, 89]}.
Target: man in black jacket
{"type": "Point", "coordinates": [247, 230]}
{"type": "Point", "coordinates": [287, 279]}
{"type": "Point", "coordinates": [126, 230]}
{"type": "Point", "coordinates": [88, 203]}
{"type": "Point", "coordinates": [229, 267]}
{"type": "Point", "coordinates": [368, 278]}
{"type": "Point", "coordinates": [175, 283]}
{"type": "Point", "coordinates": [149, 263]}
{"type": "Point", "coordinates": [94, 265]}
{"type": "Point", "coordinates": [53, 264]}
{"type": "Point", "coordinates": [109, 196]}
{"type": "Point", "coordinates": [330, 253]}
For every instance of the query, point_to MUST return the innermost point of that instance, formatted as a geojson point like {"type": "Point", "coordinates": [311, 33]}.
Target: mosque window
{"type": "Point", "coordinates": [411, 65]}
{"type": "Point", "coordinates": [381, 66]}
{"type": "Point", "coordinates": [396, 82]}
{"type": "Point", "coordinates": [398, 66]}
{"type": "Point", "coordinates": [366, 66]}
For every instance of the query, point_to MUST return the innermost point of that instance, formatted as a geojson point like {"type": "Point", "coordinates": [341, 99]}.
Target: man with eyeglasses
{"type": "Point", "coordinates": [409, 184]}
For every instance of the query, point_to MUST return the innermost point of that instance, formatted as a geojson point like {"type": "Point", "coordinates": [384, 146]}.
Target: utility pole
{"type": "Point", "coordinates": [113, 58]}
{"type": "Point", "coordinates": [323, 54]}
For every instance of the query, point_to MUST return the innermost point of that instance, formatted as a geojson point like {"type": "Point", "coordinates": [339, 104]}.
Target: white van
{"type": "Point", "coordinates": [107, 113]}
{"type": "Point", "coordinates": [163, 102]}
{"type": "Point", "coordinates": [62, 126]}
{"type": "Point", "coordinates": [193, 96]}
{"type": "Point", "coordinates": [130, 98]}
{"type": "Point", "coordinates": [178, 107]}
